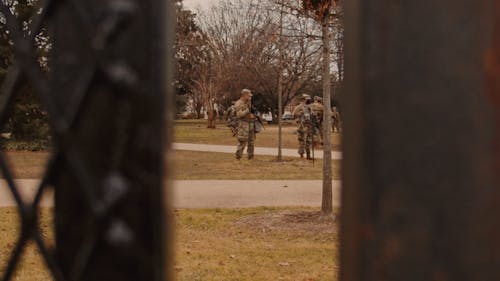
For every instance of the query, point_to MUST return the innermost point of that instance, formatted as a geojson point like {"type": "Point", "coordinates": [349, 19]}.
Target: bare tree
{"type": "Point", "coordinates": [324, 11]}
{"type": "Point", "coordinates": [244, 38]}
{"type": "Point", "coordinates": [204, 88]}
{"type": "Point", "coordinates": [207, 90]}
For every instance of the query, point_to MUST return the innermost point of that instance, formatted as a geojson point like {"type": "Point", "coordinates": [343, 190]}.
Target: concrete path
{"type": "Point", "coordinates": [271, 151]}
{"type": "Point", "coordinates": [27, 188]}
{"type": "Point", "coordinates": [250, 193]}
{"type": "Point", "coordinates": [214, 193]}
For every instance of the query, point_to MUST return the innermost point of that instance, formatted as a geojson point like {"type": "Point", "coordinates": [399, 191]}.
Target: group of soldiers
{"type": "Point", "coordinates": [244, 123]}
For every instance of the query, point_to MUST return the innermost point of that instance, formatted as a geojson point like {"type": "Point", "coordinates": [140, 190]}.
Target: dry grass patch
{"type": "Point", "coordinates": [32, 266]}
{"type": "Point", "coordinates": [191, 165]}
{"type": "Point", "coordinates": [218, 244]}
{"type": "Point", "coordinates": [298, 221]}
{"type": "Point", "coordinates": [196, 131]}
{"type": "Point", "coordinates": [255, 244]}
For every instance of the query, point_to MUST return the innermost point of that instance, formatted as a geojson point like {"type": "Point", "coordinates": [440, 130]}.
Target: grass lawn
{"type": "Point", "coordinates": [255, 244]}
{"type": "Point", "coordinates": [215, 244]}
{"type": "Point", "coordinates": [205, 165]}
{"type": "Point", "coordinates": [191, 165]}
{"type": "Point", "coordinates": [32, 267]}
{"type": "Point", "coordinates": [220, 244]}
{"type": "Point", "coordinates": [196, 131]}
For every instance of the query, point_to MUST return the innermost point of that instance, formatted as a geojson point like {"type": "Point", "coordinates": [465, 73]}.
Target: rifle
{"type": "Point", "coordinates": [253, 110]}
{"type": "Point", "coordinates": [312, 148]}
{"type": "Point", "coordinates": [310, 137]}
{"type": "Point", "coordinates": [248, 137]}
{"type": "Point", "coordinates": [312, 127]}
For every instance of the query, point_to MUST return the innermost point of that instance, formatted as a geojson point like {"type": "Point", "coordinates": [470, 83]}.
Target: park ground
{"type": "Point", "coordinates": [294, 243]}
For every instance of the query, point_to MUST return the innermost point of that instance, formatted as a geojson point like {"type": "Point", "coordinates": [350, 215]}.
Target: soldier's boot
{"type": "Point", "coordinates": [301, 155]}
{"type": "Point", "coordinates": [308, 156]}
{"type": "Point", "coordinates": [250, 156]}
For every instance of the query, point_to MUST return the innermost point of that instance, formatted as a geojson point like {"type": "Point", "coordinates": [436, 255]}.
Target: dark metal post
{"type": "Point", "coordinates": [109, 90]}
{"type": "Point", "coordinates": [421, 188]}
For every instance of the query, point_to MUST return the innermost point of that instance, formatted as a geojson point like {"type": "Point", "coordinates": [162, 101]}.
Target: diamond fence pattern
{"type": "Point", "coordinates": [104, 98]}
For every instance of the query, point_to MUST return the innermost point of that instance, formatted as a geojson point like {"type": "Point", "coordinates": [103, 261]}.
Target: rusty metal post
{"type": "Point", "coordinates": [422, 148]}
{"type": "Point", "coordinates": [109, 83]}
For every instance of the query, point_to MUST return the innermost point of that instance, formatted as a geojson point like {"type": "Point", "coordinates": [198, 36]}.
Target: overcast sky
{"type": "Point", "coordinates": [194, 4]}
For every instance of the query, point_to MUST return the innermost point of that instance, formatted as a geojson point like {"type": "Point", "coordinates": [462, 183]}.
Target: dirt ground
{"type": "Point", "coordinates": [292, 221]}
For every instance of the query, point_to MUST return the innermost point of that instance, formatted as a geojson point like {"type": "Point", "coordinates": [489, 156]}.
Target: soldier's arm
{"type": "Point", "coordinates": [297, 111]}
{"type": "Point", "coordinates": [242, 111]}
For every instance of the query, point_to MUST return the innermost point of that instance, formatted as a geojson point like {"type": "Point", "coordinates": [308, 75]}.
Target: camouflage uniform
{"type": "Point", "coordinates": [246, 128]}
{"type": "Point", "coordinates": [336, 126]}
{"type": "Point", "coordinates": [307, 133]}
{"type": "Point", "coordinates": [317, 110]}
{"type": "Point", "coordinates": [231, 120]}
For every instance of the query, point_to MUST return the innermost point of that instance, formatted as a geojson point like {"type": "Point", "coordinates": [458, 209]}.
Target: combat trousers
{"type": "Point", "coordinates": [304, 141]}
{"type": "Point", "coordinates": [246, 137]}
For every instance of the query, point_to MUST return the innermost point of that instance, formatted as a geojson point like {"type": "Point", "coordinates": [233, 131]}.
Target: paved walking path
{"type": "Point", "coordinates": [216, 193]}
{"type": "Point", "coordinates": [272, 151]}
{"type": "Point", "coordinates": [213, 193]}
{"type": "Point", "coordinates": [27, 188]}
{"type": "Point", "coordinates": [250, 193]}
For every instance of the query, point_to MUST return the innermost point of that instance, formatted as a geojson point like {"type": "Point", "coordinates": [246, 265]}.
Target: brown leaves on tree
{"type": "Point", "coordinates": [320, 7]}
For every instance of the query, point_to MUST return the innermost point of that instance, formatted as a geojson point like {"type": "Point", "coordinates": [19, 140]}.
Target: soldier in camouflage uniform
{"type": "Point", "coordinates": [336, 123]}
{"type": "Point", "coordinates": [306, 129]}
{"type": "Point", "coordinates": [317, 110]}
{"type": "Point", "coordinates": [231, 120]}
{"type": "Point", "coordinates": [246, 124]}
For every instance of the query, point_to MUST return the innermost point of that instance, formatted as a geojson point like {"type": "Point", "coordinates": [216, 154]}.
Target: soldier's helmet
{"type": "Point", "coordinates": [306, 97]}
{"type": "Point", "coordinates": [318, 99]}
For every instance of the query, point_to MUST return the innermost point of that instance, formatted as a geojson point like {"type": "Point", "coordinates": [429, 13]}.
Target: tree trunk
{"type": "Point", "coordinates": [211, 118]}
{"type": "Point", "coordinates": [210, 111]}
{"type": "Point", "coordinates": [280, 87]}
{"type": "Point", "coordinates": [326, 203]}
